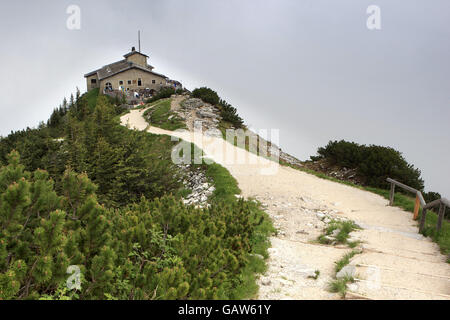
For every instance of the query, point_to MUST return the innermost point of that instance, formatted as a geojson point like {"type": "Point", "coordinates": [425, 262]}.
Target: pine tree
{"type": "Point", "coordinates": [130, 239]}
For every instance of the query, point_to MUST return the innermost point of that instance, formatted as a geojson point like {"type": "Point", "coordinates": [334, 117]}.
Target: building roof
{"type": "Point", "coordinates": [134, 52]}
{"type": "Point", "coordinates": [118, 67]}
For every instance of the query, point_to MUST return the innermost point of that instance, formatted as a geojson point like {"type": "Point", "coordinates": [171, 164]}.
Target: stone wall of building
{"type": "Point", "coordinates": [130, 80]}
{"type": "Point", "coordinates": [138, 59]}
{"type": "Point", "coordinates": [89, 83]}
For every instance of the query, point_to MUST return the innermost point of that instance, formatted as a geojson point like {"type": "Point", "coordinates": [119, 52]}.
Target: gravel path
{"type": "Point", "coordinates": [396, 263]}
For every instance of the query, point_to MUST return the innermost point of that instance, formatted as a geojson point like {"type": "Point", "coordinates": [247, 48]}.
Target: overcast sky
{"type": "Point", "coordinates": [311, 68]}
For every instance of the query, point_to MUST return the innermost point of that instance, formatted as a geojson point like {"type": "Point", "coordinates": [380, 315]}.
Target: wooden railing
{"type": "Point", "coordinates": [420, 202]}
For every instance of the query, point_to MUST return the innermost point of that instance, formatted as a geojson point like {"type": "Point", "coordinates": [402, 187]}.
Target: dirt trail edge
{"type": "Point", "coordinates": [396, 261]}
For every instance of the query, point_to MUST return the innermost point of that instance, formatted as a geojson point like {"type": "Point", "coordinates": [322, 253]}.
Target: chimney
{"type": "Point", "coordinates": [133, 49]}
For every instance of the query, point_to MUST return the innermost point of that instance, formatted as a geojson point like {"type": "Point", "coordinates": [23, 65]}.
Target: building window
{"type": "Point", "coordinates": [153, 81]}
{"type": "Point", "coordinates": [129, 81]}
{"type": "Point", "coordinates": [93, 81]}
{"type": "Point", "coordinates": [120, 82]}
{"type": "Point", "coordinates": [108, 86]}
{"type": "Point", "coordinates": [139, 82]}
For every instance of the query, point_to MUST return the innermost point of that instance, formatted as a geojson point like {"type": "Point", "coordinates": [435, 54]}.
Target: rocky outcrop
{"type": "Point", "coordinates": [197, 113]}
{"type": "Point", "coordinates": [196, 181]}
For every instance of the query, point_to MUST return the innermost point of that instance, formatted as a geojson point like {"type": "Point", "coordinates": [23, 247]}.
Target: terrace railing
{"type": "Point", "coordinates": [420, 202]}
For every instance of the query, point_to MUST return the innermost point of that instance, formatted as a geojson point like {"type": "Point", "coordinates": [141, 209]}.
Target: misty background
{"type": "Point", "coordinates": [310, 68]}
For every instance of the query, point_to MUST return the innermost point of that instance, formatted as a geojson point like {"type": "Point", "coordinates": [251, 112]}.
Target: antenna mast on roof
{"type": "Point", "coordinates": [139, 40]}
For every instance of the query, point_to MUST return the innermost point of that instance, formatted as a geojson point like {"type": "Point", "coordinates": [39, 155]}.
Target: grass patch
{"type": "Point", "coordinates": [226, 187]}
{"type": "Point", "coordinates": [353, 244]}
{"type": "Point", "coordinates": [161, 116]}
{"type": "Point", "coordinates": [345, 260]}
{"type": "Point", "coordinates": [400, 200]}
{"type": "Point", "coordinates": [340, 285]}
{"type": "Point", "coordinates": [150, 104]}
{"type": "Point", "coordinates": [344, 228]}
{"type": "Point", "coordinates": [442, 238]}
{"type": "Point", "coordinates": [315, 276]}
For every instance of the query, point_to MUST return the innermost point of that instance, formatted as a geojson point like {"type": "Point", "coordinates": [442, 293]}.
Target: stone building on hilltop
{"type": "Point", "coordinates": [130, 74]}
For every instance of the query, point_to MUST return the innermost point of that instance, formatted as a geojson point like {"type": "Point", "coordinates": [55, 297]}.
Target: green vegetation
{"type": "Point", "coordinates": [227, 111]}
{"type": "Point", "coordinates": [162, 94]}
{"type": "Point", "coordinates": [124, 164]}
{"type": "Point", "coordinates": [316, 275]}
{"type": "Point", "coordinates": [345, 260]}
{"type": "Point", "coordinates": [91, 98]}
{"type": "Point", "coordinates": [149, 104]}
{"type": "Point", "coordinates": [157, 249]}
{"type": "Point", "coordinates": [229, 114]}
{"type": "Point", "coordinates": [259, 241]}
{"type": "Point", "coordinates": [373, 163]}
{"type": "Point", "coordinates": [225, 185]}
{"type": "Point", "coordinates": [442, 238]}
{"type": "Point", "coordinates": [109, 202]}
{"type": "Point", "coordinates": [343, 227]}
{"type": "Point", "coordinates": [340, 285]}
{"type": "Point", "coordinates": [207, 95]}
{"type": "Point", "coordinates": [160, 115]}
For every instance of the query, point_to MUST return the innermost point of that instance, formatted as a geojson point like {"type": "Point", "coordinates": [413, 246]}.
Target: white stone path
{"type": "Point", "coordinates": [396, 263]}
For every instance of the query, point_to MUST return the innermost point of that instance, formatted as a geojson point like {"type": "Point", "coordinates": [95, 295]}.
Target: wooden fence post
{"type": "Point", "coordinates": [416, 207]}
{"type": "Point", "coordinates": [391, 196]}
{"type": "Point", "coordinates": [422, 220]}
{"type": "Point", "coordinates": [441, 217]}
